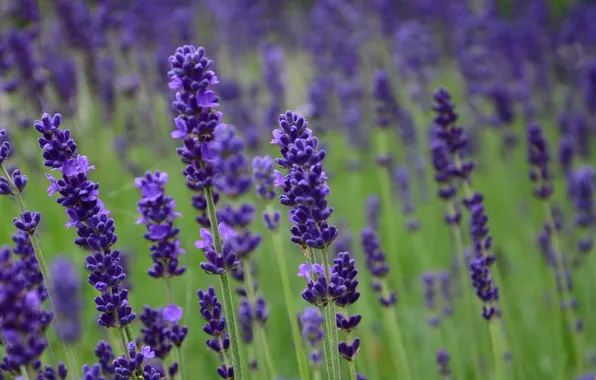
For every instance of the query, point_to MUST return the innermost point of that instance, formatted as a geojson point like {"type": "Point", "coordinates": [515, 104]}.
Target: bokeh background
{"type": "Point", "coordinates": [103, 65]}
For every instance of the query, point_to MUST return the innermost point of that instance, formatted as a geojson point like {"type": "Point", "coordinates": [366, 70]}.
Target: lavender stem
{"type": "Point", "coordinates": [331, 319]}
{"type": "Point", "coordinates": [225, 287]}
{"type": "Point", "coordinates": [285, 281]}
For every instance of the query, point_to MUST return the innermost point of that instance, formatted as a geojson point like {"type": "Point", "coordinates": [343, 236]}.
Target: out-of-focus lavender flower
{"type": "Point", "coordinates": [158, 214]}
{"type": "Point", "coordinates": [312, 331]}
{"type": "Point", "coordinates": [95, 229]}
{"type": "Point", "coordinates": [430, 297]}
{"type": "Point", "coordinates": [566, 154]}
{"type": "Point", "coordinates": [67, 298]}
{"type": "Point", "coordinates": [581, 191]}
{"type": "Point", "coordinates": [212, 311]}
{"type": "Point", "coordinates": [343, 242]}
{"type": "Point", "coordinates": [376, 262]}
{"type": "Point", "coordinates": [373, 211]}
{"type": "Point", "coordinates": [263, 177]}
{"type": "Point", "coordinates": [305, 186]}
{"type": "Point", "coordinates": [137, 364]}
{"type": "Point", "coordinates": [538, 158]}
{"type": "Point", "coordinates": [482, 279]}
{"type": "Point", "coordinates": [402, 181]}
{"type": "Point", "coordinates": [49, 373]}
{"type": "Point", "coordinates": [589, 85]}
{"type": "Point", "coordinates": [443, 359]}
{"type": "Point", "coordinates": [444, 279]}
{"type": "Point", "coordinates": [386, 107]}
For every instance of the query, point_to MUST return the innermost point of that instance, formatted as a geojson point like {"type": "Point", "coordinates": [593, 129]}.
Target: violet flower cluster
{"type": "Point", "coordinates": [538, 158]}
{"type": "Point", "coordinates": [581, 191]}
{"type": "Point", "coordinates": [192, 77]}
{"type": "Point", "coordinates": [311, 322]}
{"type": "Point", "coordinates": [345, 267]}
{"type": "Point", "coordinates": [437, 295]}
{"type": "Point", "coordinates": [216, 327]}
{"type": "Point", "coordinates": [376, 262]}
{"type": "Point", "coordinates": [86, 212]}
{"type": "Point", "coordinates": [137, 364]}
{"type": "Point", "coordinates": [386, 109]}
{"type": "Point", "coordinates": [264, 180]}
{"type": "Point", "coordinates": [158, 214]}
{"type": "Point", "coordinates": [67, 298]}
{"type": "Point", "coordinates": [305, 185]}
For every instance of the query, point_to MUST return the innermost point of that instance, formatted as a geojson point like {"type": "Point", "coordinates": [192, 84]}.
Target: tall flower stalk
{"type": "Point", "coordinates": [14, 184]}
{"type": "Point", "coordinates": [263, 176]}
{"type": "Point", "coordinates": [305, 191]}
{"type": "Point", "coordinates": [540, 174]}
{"type": "Point", "coordinates": [192, 78]}
{"type": "Point", "coordinates": [95, 229]}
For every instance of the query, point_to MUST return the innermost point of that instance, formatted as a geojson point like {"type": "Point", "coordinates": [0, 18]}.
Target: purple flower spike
{"type": "Point", "coordinates": [95, 229]}
{"type": "Point", "coordinates": [538, 158]}
{"type": "Point", "coordinates": [443, 359]}
{"type": "Point", "coordinates": [67, 298]}
{"type": "Point", "coordinates": [377, 265]}
{"type": "Point", "coordinates": [218, 262]}
{"type": "Point", "coordinates": [305, 186]}
{"type": "Point", "coordinates": [311, 321]}
{"type": "Point", "coordinates": [158, 215]}
{"type": "Point", "coordinates": [212, 311]}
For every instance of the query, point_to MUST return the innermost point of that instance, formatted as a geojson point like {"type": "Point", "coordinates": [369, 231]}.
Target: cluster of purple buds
{"type": "Point", "coordinates": [435, 285]}
{"type": "Point", "coordinates": [319, 291]}
{"type": "Point", "coordinates": [192, 77]}
{"type": "Point", "coordinates": [137, 364]}
{"type": "Point", "coordinates": [95, 229]}
{"type": "Point", "coordinates": [538, 158]}
{"type": "Point", "coordinates": [67, 299]}
{"type": "Point", "coordinates": [386, 108]}
{"type": "Point", "coordinates": [402, 182]}
{"type": "Point", "coordinates": [305, 185]}
{"type": "Point", "coordinates": [264, 180]}
{"type": "Point", "coordinates": [581, 191]}
{"type": "Point", "coordinates": [443, 360]}
{"type": "Point", "coordinates": [158, 215]}
{"type": "Point", "coordinates": [376, 262]}
{"type": "Point", "coordinates": [218, 263]}
{"type": "Point", "coordinates": [311, 321]}
{"type": "Point", "coordinates": [249, 315]}
{"type": "Point", "coordinates": [480, 271]}
{"type": "Point", "coordinates": [161, 332]}
{"type": "Point", "coordinates": [212, 311]}
{"type": "Point", "coordinates": [373, 211]}
{"type": "Point", "coordinates": [345, 267]}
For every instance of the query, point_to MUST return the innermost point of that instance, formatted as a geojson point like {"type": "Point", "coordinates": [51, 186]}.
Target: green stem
{"type": "Point", "coordinates": [568, 317]}
{"type": "Point", "coordinates": [267, 352]}
{"type": "Point", "coordinates": [333, 340]}
{"type": "Point", "coordinates": [124, 341]}
{"type": "Point", "coordinates": [352, 366]}
{"type": "Point", "coordinates": [396, 339]}
{"type": "Point", "coordinates": [496, 337]}
{"type": "Point", "coordinates": [226, 289]}
{"type": "Point", "coordinates": [327, 341]}
{"type": "Point", "coordinates": [289, 298]}
{"type": "Point", "coordinates": [70, 358]}
{"type": "Point", "coordinates": [316, 374]}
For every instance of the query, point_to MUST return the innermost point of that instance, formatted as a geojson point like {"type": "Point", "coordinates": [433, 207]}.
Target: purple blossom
{"type": "Point", "coordinates": [538, 158]}
{"type": "Point", "coordinates": [158, 215]}
{"type": "Point", "coordinates": [95, 229]}
{"type": "Point", "coordinates": [311, 321]}
{"type": "Point", "coordinates": [218, 262]}
{"type": "Point", "coordinates": [67, 298]}
{"type": "Point", "coordinates": [376, 263]}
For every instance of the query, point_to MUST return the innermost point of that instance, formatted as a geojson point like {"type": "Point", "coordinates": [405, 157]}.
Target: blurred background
{"type": "Point", "coordinates": [104, 64]}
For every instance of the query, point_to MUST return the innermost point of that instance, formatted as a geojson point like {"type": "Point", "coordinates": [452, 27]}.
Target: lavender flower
{"type": "Point", "coordinates": [305, 187]}
{"type": "Point", "coordinates": [430, 297]}
{"type": "Point", "coordinates": [67, 298]}
{"type": "Point", "coordinates": [378, 267]}
{"type": "Point", "coordinates": [538, 159]}
{"type": "Point", "coordinates": [192, 78]}
{"type": "Point", "coordinates": [263, 177]}
{"type": "Point", "coordinates": [373, 211]}
{"type": "Point", "coordinates": [158, 215]}
{"type": "Point", "coordinates": [138, 364]}
{"type": "Point", "coordinates": [95, 229]}
{"type": "Point", "coordinates": [443, 359]}
{"type": "Point", "coordinates": [211, 310]}
{"type": "Point", "coordinates": [217, 263]}
{"type": "Point", "coordinates": [312, 331]}
{"type": "Point", "coordinates": [581, 190]}
{"type": "Point", "coordinates": [319, 291]}
{"type": "Point", "coordinates": [345, 267]}
{"type": "Point", "coordinates": [402, 181]}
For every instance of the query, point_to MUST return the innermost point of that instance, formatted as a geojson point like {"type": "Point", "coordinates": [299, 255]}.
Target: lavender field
{"type": "Point", "coordinates": [325, 189]}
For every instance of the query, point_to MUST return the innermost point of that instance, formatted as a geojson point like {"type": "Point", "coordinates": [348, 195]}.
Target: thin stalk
{"type": "Point", "coordinates": [327, 345]}
{"type": "Point", "coordinates": [226, 290]}
{"type": "Point", "coordinates": [568, 316]}
{"type": "Point", "coordinates": [70, 358]}
{"type": "Point", "coordinates": [396, 340]}
{"type": "Point", "coordinates": [352, 366]}
{"type": "Point", "coordinates": [252, 299]}
{"type": "Point", "coordinates": [27, 373]}
{"type": "Point", "coordinates": [124, 340]}
{"type": "Point", "coordinates": [289, 298]}
{"type": "Point", "coordinates": [331, 320]}
{"type": "Point", "coordinates": [496, 337]}
{"type": "Point", "coordinates": [316, 374]}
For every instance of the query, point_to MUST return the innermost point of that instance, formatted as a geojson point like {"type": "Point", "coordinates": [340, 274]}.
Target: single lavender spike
{"type": "Point", "coordinates": [303, 158]}
{"type": "Point", "coordinates": [86, 212]}
{"type": "Point", "coordinates": [312, 331]}
{"type": "Point", "coordinates": [212, 311]}
{"type": "Point", "coordinates": [430, 298]}
{"type": "Point", "coordinates": [538, 158]}
{"type": "Point", "coordinates": [373, 211]}
{"type": "Point", "coordinates": [377, 265]}
{"type": "Point", "coordinates": [154, 332]}
{"type": "Point", "coordinates": [581, 191]}
{"type": "Point", "coordinates": [137, 364]}
{"type": "Point", "coordinates": [264, 180]}
{"type": "Point", "coordinates": [402, 181]}
{"type": "Point", "coordinates": [67, 298]}
{"type": "Point", "coordinates": [443, 360]}
{"type": "Point", "coordinates": [158, 214]}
